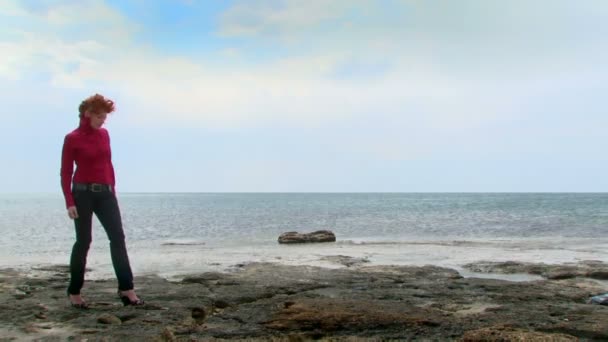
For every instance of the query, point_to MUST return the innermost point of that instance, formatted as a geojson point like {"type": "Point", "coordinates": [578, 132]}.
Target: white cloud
{"type": "Point", "coordinates": [66, 40]}
{"type": "Point", "coordinates": [277, 17]}
{"type": "Point", "coordinates": [450, 79]}
{"type": "Point", "coordinates": [351, 87]}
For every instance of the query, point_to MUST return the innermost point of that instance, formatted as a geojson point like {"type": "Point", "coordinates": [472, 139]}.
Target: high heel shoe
{"type": "Point", "coordinates": [82, 306]}
{"type": "Point", "coordinates": [126, 301]}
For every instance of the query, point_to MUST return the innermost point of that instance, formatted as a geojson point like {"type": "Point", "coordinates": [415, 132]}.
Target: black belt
{"type": "Point", "coordinates": [93, 187]}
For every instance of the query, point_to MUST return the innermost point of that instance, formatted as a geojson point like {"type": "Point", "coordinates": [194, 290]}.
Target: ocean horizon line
{"type": "Point", "coordinates": [318, 192]}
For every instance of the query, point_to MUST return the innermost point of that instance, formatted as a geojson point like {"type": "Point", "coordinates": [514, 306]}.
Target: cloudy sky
{"type": "Point", "coordinates": [312, 95]}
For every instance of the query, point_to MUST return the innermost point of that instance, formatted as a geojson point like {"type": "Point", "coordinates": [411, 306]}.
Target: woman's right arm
{"type": "Point", "coordinates": [67, 169]}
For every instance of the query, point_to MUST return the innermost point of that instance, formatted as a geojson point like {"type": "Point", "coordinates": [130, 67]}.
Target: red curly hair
{"type": "Point", "coordinates": [96, 103]}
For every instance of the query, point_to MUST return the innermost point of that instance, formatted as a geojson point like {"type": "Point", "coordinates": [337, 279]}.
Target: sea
{"type": "Point", "coordinates": [173, 234]}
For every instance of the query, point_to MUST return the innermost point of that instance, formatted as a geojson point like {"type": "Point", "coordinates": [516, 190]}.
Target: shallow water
{"type": "Point", "coordinates": [173, 234]}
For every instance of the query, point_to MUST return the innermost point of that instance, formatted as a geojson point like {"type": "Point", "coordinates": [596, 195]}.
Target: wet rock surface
{"type": "Point", "coordinates": [345, 260]}
{"type": "Point", "coordinates": [587, 269]}
{"type": "Point", "coordinates": [263, 301]}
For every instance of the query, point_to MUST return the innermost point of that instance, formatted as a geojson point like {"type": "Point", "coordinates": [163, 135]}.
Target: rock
{"type": "Point", "coordinates": [510, 334]}
{"type": "Point", "coordinates": [199, 314]}
{"type": "Point", "coordinates": [152, 306]}
{"type": "Point", "coordinates": [345, 260]}
{"type": "Point", "coordinates": [316, 236]}
{"type": "Point", "coordinates": [330, 315]}
{"type": "Point", "coordinates": [602, 275]}
{"type": "Point", "coordinates": [185, 324]}
{"type": "Point", "coordinates": [202, 278]}
{"type": "Point", "coordinates": [88, 332]}
{"type": "Point", "coordinates": [587, 269]}
{"type": "Point", "coordinates": [558, 275]}
{"type": "Point", "coordinates": [167, 335]}
{"type": "Point", "coordinates": [269, 301]}
{"type": "Point", "coordinates": [108, 319]}
{"type": "Point", "coordinates": [127, 317]}
{"type": "Point", "coordinates": [221, 304]}
{"type": "Point", "coordinates": [231, 282]}
{"type": "Point", "coordinates": [31, 329]}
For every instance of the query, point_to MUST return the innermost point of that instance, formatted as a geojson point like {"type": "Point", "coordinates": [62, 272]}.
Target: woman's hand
{"type": "Point", "coordinates": [72, 212]}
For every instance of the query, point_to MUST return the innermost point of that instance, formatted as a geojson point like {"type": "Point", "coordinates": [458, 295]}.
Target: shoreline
{"type": "Point", "coordinates": [172, 258]}
{"type": "Point", "coordinates": [272, 301]}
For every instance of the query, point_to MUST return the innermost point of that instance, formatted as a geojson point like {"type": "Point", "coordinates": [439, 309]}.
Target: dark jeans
{"type": "Point", "coordinates": [105, 206]}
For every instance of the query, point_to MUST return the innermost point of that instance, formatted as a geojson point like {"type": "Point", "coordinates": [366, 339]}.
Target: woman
{"type": "Point", "coordinates": [90, 190]}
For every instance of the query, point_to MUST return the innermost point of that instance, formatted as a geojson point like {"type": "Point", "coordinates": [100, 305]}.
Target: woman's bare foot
{"type": "Point", "coordinates": [130, 298]}
{"type": "Point", "coordinates": [77, 301]}
{"type": "Point", "coordinates": [130, 294]}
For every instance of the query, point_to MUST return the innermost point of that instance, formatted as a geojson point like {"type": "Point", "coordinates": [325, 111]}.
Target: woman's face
{"type": "Point", "coordinates": [97, 118]}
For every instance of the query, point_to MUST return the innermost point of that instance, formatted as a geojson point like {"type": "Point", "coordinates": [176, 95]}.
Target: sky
{"type": "Point", "coordinates": [312, 95]}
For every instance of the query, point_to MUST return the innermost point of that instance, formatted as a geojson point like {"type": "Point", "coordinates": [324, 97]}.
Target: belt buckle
{"type": "Point", "coordinates": [96, 188]}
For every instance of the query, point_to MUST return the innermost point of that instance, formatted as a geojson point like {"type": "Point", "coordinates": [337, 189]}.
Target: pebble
{"type": "Point", "coordinates": [109, 319]}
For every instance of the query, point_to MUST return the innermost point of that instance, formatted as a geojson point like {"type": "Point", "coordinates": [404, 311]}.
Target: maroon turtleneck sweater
{"type": "Point", "coordinates": [90, 149]}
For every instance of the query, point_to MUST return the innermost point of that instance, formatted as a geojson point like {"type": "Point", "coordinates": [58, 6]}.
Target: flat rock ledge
{"type": "Point", "coordinates": [316, 236]}
{"type": "Point", "coordinates": [592, 269]}
{"type": "Point", "coordinates": [274, 302]}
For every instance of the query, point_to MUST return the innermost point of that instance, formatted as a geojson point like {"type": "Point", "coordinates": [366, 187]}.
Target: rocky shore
{"type": "Point", "coordinates": [263, 301]}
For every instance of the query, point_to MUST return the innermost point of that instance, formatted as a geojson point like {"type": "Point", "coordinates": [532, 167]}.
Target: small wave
{"type": "Point", "coordinates": [463, 243]}
{"type": "Point", "coordinates": [182, 243]}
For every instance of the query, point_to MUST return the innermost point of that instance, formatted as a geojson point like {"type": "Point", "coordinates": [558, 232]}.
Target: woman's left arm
{"type": "Point", "coordinates": [112, 175]}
